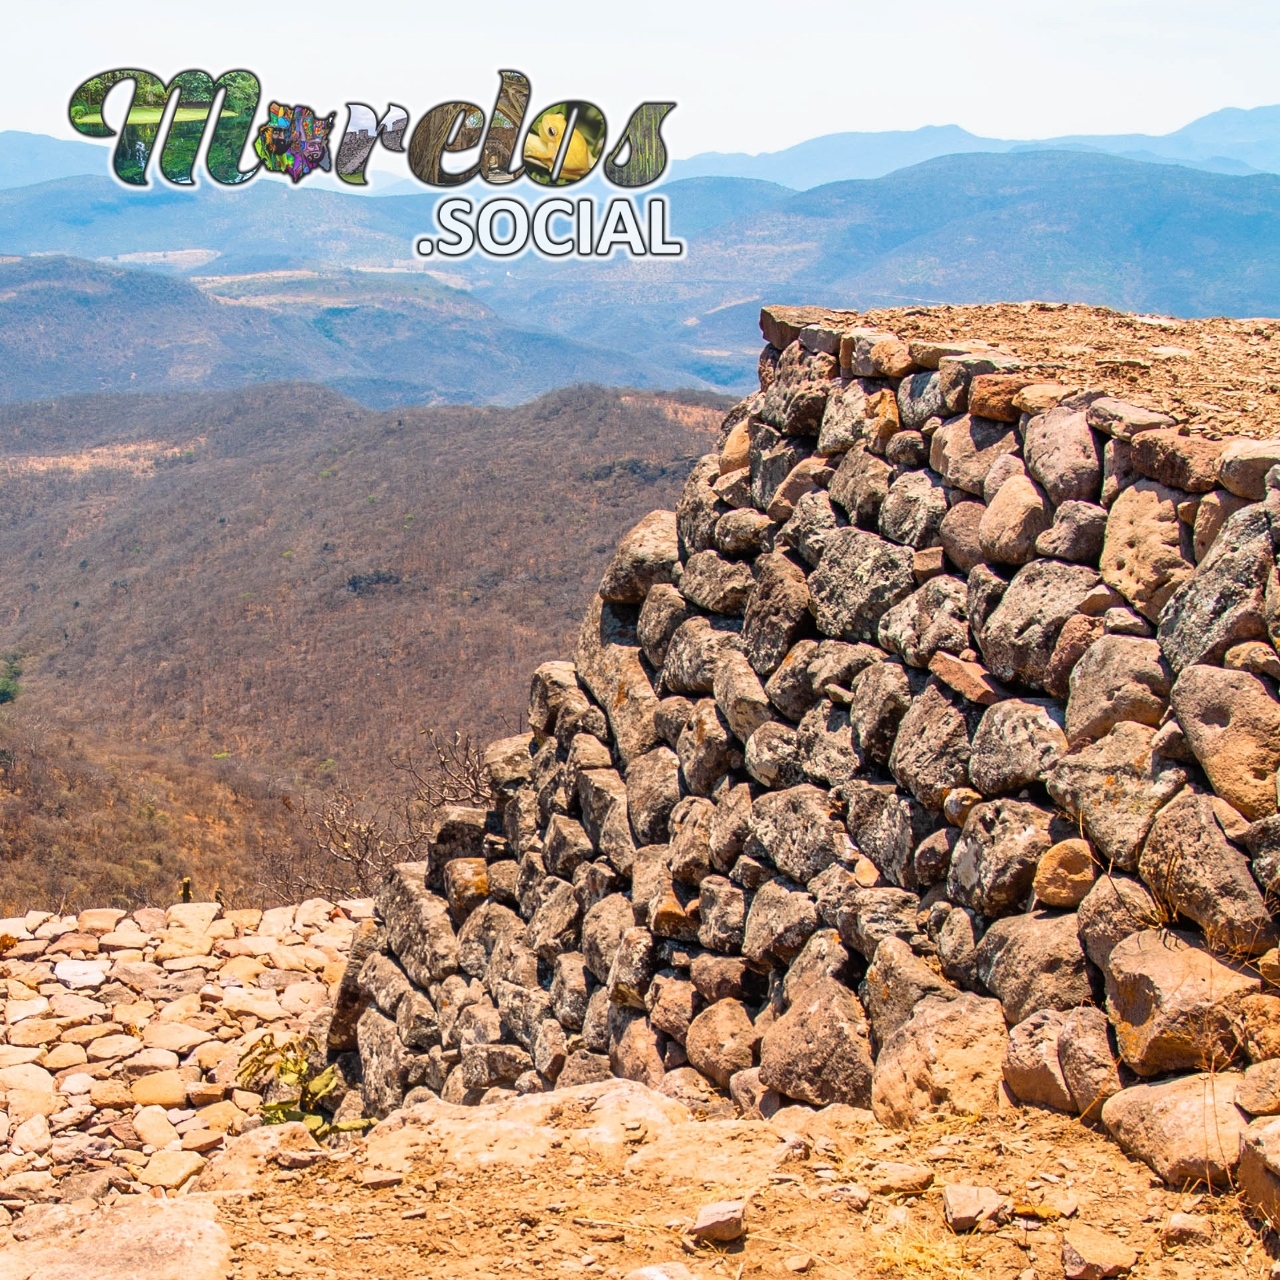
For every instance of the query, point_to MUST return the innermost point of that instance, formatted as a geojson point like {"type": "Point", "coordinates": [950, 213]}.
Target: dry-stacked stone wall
{"type": "Point", "coordinates": [925, 756]}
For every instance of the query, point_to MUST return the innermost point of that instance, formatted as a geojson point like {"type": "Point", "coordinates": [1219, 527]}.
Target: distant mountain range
{"type": "Point", "coordinates": [359, 313]}
{"type": "Point", "coordinates": [1229, 141]}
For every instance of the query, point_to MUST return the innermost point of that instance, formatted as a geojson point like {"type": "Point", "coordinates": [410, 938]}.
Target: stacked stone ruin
{"type": "Point", "coordinates": [924, 757]}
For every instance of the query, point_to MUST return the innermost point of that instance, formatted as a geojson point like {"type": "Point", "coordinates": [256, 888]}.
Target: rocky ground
{"type": "Point", "coordinates": [609, 1178]}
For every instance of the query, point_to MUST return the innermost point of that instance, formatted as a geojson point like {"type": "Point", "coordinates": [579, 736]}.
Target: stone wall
{"type": "Point", "coordinates": [924, 756]}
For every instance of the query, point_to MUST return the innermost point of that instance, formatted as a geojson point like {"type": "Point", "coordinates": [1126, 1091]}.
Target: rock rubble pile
{"type": "Point", "coordinates": [925, 755]}
{"type": "Point", "coordinates": [123, 1036]}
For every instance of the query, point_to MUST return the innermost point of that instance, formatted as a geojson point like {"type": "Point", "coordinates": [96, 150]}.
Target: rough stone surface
{"type": "Point", "coordinates": [947, 1058]}
{"type": "Point", "coordinates": [1188, 1130]}
{"type": "Point", "coordinates": [1172, 1003]}
{"type": "Point", "coordinates": [861, 576]}
{"type": "Point", "coordinates": [1143, 556]}
{"type": "Point", "coordinates": [1117, 678]}
{"type": "Point", "coordinates": [1231, 720]}
{"type": "Point", "coordinates": [1016, 742]}
{"type": "Point", "coordinates": [1032, 962]}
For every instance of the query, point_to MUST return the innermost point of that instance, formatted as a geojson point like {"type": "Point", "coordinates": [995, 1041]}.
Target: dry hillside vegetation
{"type": "Point", "coordinates": [280, 583]}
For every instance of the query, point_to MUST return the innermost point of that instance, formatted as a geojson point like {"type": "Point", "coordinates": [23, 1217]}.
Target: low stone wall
{"type": "Point", "coordinates": [926, 753]}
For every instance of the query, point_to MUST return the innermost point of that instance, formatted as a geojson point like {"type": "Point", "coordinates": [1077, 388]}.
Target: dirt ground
{"type": "Point", "coordinates": [1215, 375]}
{"type": "Point", "coordinates": [556, 1201]}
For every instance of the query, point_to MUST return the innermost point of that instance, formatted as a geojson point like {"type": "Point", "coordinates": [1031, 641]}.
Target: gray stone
{"type": "Point", "coordinates": [602, 930]}
{"type": "Point", "coordinates": [896, 982]}
{"type": "Point", "coordinates": [609, 663]}
{"type": "Point", "coordinates": [964, 449]}
{"type": "Point", "coordinates": [1121, 420]}
{"type": "Point", "coordinates": [825, 741]}
{"type": "Point", "coordinates": [634, 964]}
{"type": "Point", "coordinates": [861, 576]}
{"type": "Point", "coordinates": [694, 652]}
{"type": "Point", "coordinates": [819, 1051]}
{"type": "Point", "coordinates": [781, 918]}
{"type": "Point", "coordinates": [861, 484]}
{"type": "Point", "coordinates": [653, 788]}
{"type": "Point", "coordinates": [866, 917]}
{"type": "Point", "coordinates": [740, 695]}
{"type": "Point", "coordinates": [1191, 867]}
{"type": "Point", "coordinates": [1118, 678]}
{"type": "Point", "coordinates": [730, 826]}
{"type": "Point", "coordinates": [1115, 787]}
{"type": "Point", "coordinates": [931, 618]}
{"type": "Point", "coordinates": [798, 830]}
{"type": "Point", "coordinates": [790, 688]}
{"type": "Point", "coordinates": [707, 749]}
{"type": "Point", "coordinates": [1223, 602]}
{"type": "Point", "coordinates": [554, 927]}
{"type": "Point", "coordinates": [1114, 908]}
{"type": "Point", "coordinates": [690, 832]}
{"type": "Point", "coordinates": [1064, 455]}
{"type": "Point", "coordinates": [823, 956]}
{"type": "Point", "coordinates": [565, 847]}
{"type": "Point", "coordinates": [1118, 471]}
{"type": "Point", "coordinates": [913, 508]}
{"type": "Point", "coordinates": [570, 988]}
{"type": "Point", "coordinates": [1016, 742]}
{"type": "Point", "coordinates": [931, 750]}
{"type": "Point", "coordinates": [879, 698]}
{"type": "Point", "coordinates": [958, 534]}
{"type": "Point", "coordinates": [1076, 534]}
{"type": "Point", "coordinates": [1143, 556]}
{"type": "Point", "coordinates": [919, 399]}
{"type": "Point", "coordinates": [648, 553]}
{"type": "Point", "coordinates": [663, 611]}
{"type": "Point", "coordinates": [810, 523]}
{"type": "Point", "coordinates": [1174, 1006]}
{"type": "Point", "coordinates": [1188, 1130]}
{"type": "Point", "coordinates": [602, 796]}
{"type": "Point", "coordinates": [746, 533]}
{"type": "Point", "coordinates": [773, 756]}
{"type": "Point", "coordinates": [1231, 720]}
{"type": "Point", "coordinates": [419, 930]}
{"type": "Point", "coordinates": [994, 862]}
{"type": "Point", "coordinates": [1034, 961]}
{"type": "Point", "coordinates": [1015, 517]}
{"type": "Point", "coordinates": [720, 586]}
{"type": "Point", "coordinates": [699, 507]}
{"type": "Point", "coordinates": [778, 611]}
{"type": "Point", "coordinates": [1018, 637]}
{"type": "Point", "coordinates": [723, 914]}
{"type": "Point", "coordinates": [1087, 1060]}
{"type": "Point", "coordinates": [672, 1003]}
{"type": "Point", "coordinates": [1031, 1067]}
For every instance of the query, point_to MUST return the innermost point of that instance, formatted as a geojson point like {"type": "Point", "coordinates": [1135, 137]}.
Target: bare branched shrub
{"type": "Point", "coordinates": [350, 842]}
{"type": "Point", "coordinates": [451, 774]}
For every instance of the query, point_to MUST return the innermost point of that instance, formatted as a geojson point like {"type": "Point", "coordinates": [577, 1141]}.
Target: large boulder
{"type": "Point", "coordinates": [647, 553]}
{"type": "Point", "coordinates": [1019, 636]}
{"type": "Point", "coordinates": [913, 508]}
{"type": "Point", "coordinates": [1188, 1130]}
{"type": "Point", "coordinates": [1115, 787]}
{"type": "Point", "coordinates": [1172, 1003]}
{"type": "Point", "coordinates": [1117, 678]}
{"type": "Point", "coordinates": [694, 651]}
{"type": "Point", "coordinates": [653, 790]}
{"type": "Point", "coordinates": [1034, 961]}
{"type": "Point", "coordinates": [994, 861]}
{"type": "Point", "coordinates": [964, 449]}
{"type": "Point", "coordinates": [1143, 556]}
{"type": "Point", "coordinates": [931, 750]}
{"type": "Point", "coordinates": [861, 577]}
{"type": "Point", "coordinates": [1224, 602]}
{"type": "Point", "coordinates": [1017, 740]}
{"type": "Point", "coordinates": [879, 697]}
{"type": "Point", "coordinates": [1197, 873]}
{"type": "Point", "coordinates": [947, 1058]}
{"type": "Point", "coordinates": [1231, 720]}
{"type": "Point", "coordinates": [1018, 513]}
{"type": "Point", "coordinates": [819, 1051]}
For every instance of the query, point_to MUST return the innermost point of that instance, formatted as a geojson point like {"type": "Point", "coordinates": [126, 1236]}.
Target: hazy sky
{"type": "Point", "coordinates": [748, 76]}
